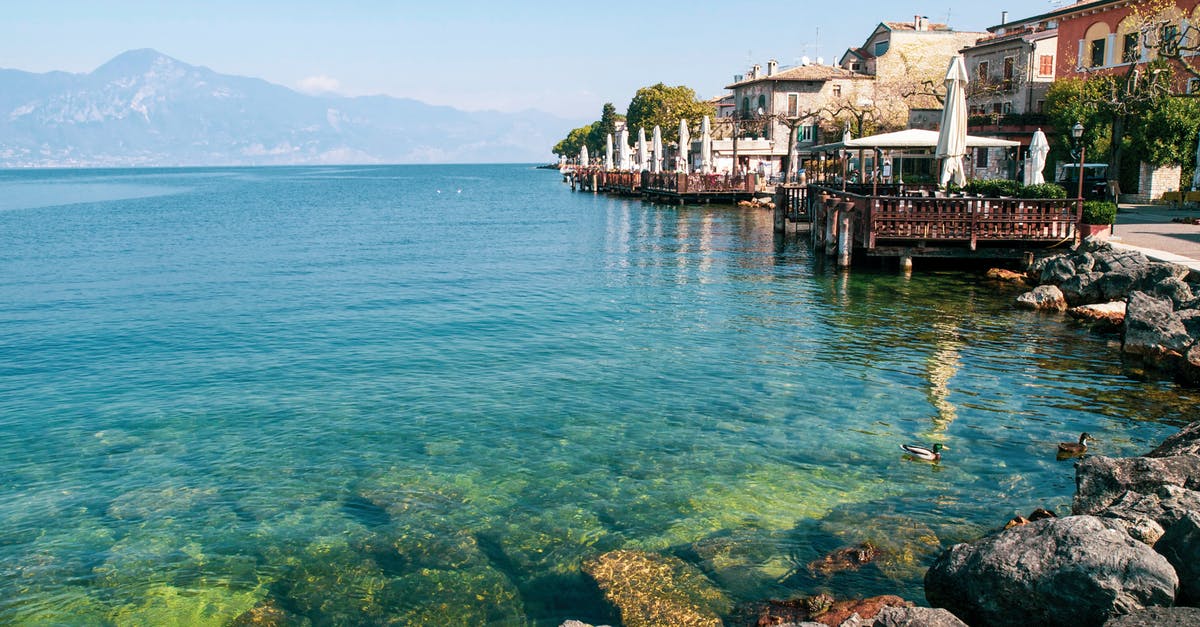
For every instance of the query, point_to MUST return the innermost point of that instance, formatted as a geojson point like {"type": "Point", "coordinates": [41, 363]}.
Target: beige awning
{"type": "Point", "coordinates": [911, 138]}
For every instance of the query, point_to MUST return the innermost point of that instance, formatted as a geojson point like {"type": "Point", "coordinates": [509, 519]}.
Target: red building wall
{"type": "Point", "coordinates": [1073, 26]}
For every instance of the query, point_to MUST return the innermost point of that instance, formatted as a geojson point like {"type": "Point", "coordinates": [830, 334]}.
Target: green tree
{"type": "Point", "coordinates": [575, 140]}
{"type": "Point", "coordinates": [598, 137]}
{"type": "Point", "coordinates": [660, 105]}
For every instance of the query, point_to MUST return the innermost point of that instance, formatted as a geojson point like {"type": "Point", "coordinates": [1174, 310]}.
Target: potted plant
{"type": "Point", "coordinates": [1097, 219]}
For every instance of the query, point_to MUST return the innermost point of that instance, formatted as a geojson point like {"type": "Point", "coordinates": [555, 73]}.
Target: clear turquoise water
{"type": "Point", "coordinates": [427, 394]}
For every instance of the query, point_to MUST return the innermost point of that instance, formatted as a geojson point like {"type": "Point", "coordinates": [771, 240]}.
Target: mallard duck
{"type": "Point", "coordinates": [1076, 448]}
{"type": "Point", "coordinates": [926, 453]}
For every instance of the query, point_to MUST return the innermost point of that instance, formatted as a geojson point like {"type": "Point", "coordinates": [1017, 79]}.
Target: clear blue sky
{"type": "Point", "coordinates": [566, 58]}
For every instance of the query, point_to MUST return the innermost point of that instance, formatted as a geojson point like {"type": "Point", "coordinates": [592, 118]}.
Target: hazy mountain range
{"type": "Point", "coordinates": [144, 108]}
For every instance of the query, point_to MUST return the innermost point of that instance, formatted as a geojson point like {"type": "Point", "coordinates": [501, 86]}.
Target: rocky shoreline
{"type": "Point", "coordinates": [1127, 556]}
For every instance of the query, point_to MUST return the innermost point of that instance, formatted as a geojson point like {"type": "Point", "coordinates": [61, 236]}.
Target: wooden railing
{"type": "Point", "coordinates": [902, 219]}
{"type": "Point", "coordinates": [695, 183]}
{"type": "Point", "coordinates": [792, 199]}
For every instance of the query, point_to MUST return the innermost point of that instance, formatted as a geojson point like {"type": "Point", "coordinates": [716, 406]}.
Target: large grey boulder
{"type": "Point", "coordinates": [916, 617]}
{"type": "Point", "coordinates": [1100, 481]}
{"type": "Point", "coordinates": [1083, 288]}
{"type": "Point", "coordinates": [1158, 271]}
{"type": "Point", "coordinates": [1077, 570]}
{"type": "Point", "coordinates": [1146, 516]}
{"type": "Point", "coordinates": [1175, 290]}
{"type": "Point", "coordinates": [1158, 617]}
{"type": "Point", "coordinates": [1117, 285]}
{"type": "Point", "coordinates": [1113, 260]}
{"type": "Point", "coordinates": [1185, 442]}
{"type": "Point", "coordinates": [1152, 328]}
{"type": "Point", "coordinates": [1043, 297]}
{"type": "Point", "coordinates": [1057, 270]}
{"type": "Point", "coordinates": [1091, 245]}
{"type": "Point", "coordinates": [1181, 546]}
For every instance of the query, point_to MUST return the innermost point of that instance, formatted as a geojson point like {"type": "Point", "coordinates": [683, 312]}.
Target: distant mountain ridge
{"type": "Point", "coordinates": [144, 108]}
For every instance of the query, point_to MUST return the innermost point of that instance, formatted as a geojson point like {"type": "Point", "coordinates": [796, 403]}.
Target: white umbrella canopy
{"type": "Point", "coordinates": [846, 133]}
{"type": "Point", "coordinates": [623, 151]}
{"type": "Point", "coordinates": [642, 162]}
{"type": "Point", "coordinates": [608, 152]}
{"type": "Point", "coordinates": [1039, 147]}
{"type": "Point", "coordinates": [657, 148]}
{"type": "Point", "coordinates": [705, 147]}
{"type": "Point", "coordinates": [685, 147]}
{"type": "Point", "coordinates": [952, 138]}
{"type": "Point", "coordinates": [583, 156]}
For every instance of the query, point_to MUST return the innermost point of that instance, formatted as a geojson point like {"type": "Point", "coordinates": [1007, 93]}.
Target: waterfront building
{"type": "Point", "coordinates": [1011, 70]}
{"type": "Point", "coordinates": [779, 110]}
{"type": "Point", "coordinates": [907, 61]}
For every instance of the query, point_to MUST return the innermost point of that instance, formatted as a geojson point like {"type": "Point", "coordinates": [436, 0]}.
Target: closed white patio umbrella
{"type": "Point", "coordinates": [608, 152]}
{"type": "Point", "coordinates": [705, 147]}
{"type": "Point", "coordinates": [1036, 162]}
{"type": "Point", "coordinates": [657, 149]}
{"type": "Point", "coordinates": [952, 138]}
{"type": "Point", "coordinates": [685, 147]}
{"type": "Point", "coordinates": [583, 156]}
{"type": "Point", "coordinates": [623, 151]}
{"type": "Point", "coordinates": [642, 162]}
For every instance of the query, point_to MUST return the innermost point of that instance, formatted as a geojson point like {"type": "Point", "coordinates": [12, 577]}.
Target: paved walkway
{"type": "Point", "coordinates": [1149, 228]}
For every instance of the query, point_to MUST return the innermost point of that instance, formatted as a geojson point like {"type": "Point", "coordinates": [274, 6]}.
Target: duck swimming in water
{"type": "Point", "coordinates": [931, 454]}
{"type": "Point", "coordinates": [1076, 448]}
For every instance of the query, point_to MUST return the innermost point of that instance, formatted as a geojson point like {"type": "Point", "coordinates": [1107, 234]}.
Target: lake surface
{"type": "Point", "coordinates": [427, 395]}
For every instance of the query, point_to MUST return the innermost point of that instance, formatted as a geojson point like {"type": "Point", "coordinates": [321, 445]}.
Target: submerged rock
{"type": "Point", "coordinates": [845, 558]}
{"type": "Point", "coordinates": [1007, 276]}
{"type": "Point", "coordinates": [823, 610]}
{"type": "Point", "coordinates": [1078, 570]}
{"type": "Point", "coordinates": [650, 589]}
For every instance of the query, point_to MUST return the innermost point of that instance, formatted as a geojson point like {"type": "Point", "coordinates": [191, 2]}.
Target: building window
{"type": "Point", "coordinates": [762, 103]}
{"type": "Point", "coordinates": [804, 134]}
{"type": "Point", "coordinates": [1129, 48]}
{"type": "Point", "coordinates": [1193, 86]}
{"type": "Point", "coordinates": [793, 105]}
{"type": "Point", "coordinates": [982, 70]}
{"type": "Point", "coordinates": [1169, 38]}
{"type": "Point", "coordinates": [881, 48]}
{"type": "Point", "coordinates": [1046, 65]}
{"type": "Point", "coordinates": [1097, 57]}
{"type": "Point", "coordinates": [997, 109]}
{"type": "Point", "coordinates": [1041, 106]}
{"type": "Point", "coordinates": [981, 157]}
{"type": "Point", "coordinates": [837, 91]}
{"type": "Point", "coordinates": [1010, 64]}
{"type": "Point", "coordinates": [745, 106]}
{"type": "Point", "coordinates": [1007, 108]}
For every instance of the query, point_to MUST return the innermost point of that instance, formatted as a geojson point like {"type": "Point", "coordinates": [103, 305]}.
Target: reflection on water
{"type": "Point", "coordinates": [338, 394]}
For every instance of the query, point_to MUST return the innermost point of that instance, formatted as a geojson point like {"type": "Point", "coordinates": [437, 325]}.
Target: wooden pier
{"type": "Point", "coordinates": [845, 223]}
{"type": "Point", "coordinates": [667, 187]}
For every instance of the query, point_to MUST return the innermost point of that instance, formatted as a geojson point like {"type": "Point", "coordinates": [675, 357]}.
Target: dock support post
{"type": "Point", "coordinates": [595, 183]}
{"type": "Point", "coordinates": [906, 262]}
{"type": "Point", "coordinates": [780, 214]}
{"type": "Point", "coordinates": [845, 240]}
{"type": "Point", "coordinates": [832, 214]}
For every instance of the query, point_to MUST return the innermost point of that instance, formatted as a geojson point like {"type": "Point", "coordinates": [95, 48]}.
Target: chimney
{"type": "Point", "coordinates": [772, 65]}
{"type": "Point", "coordinates": [755, 70]}
{"type": "Point", "coordinates": [916, 22]}
{"type": "Point", "coordinates": [1003, 18]}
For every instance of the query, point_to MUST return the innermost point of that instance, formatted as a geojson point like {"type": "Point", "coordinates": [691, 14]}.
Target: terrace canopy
{"type": "Point", "coordinates": [911, 138]}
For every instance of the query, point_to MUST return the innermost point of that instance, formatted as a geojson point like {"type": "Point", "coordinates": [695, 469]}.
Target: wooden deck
{"type": "Point", "coordinates": [845, 223]}
{"type": "Point", "coordinates": [670, 187]}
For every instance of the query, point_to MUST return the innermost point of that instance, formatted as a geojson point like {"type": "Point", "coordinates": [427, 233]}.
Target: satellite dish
{"type": "Point", "coordinates": [820, 60]}
{"type": "Point", "coordinates": [805, 60]}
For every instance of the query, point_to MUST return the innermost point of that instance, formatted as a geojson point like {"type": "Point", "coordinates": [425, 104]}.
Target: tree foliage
{"type": "Point", "coordinates": [663, 106]}
{"type": "Point", "coordinates": [598, 137]}
{"type": "Point", "coordinates": [576, 139]}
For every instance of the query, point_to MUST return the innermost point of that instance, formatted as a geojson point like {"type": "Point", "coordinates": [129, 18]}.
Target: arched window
{"type": "Point", "coordinates": [762, 103]}
{"type": "Point", "coordinates": [746, 106]}
{"type": "Point", "coordinates": [1094, 52]}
